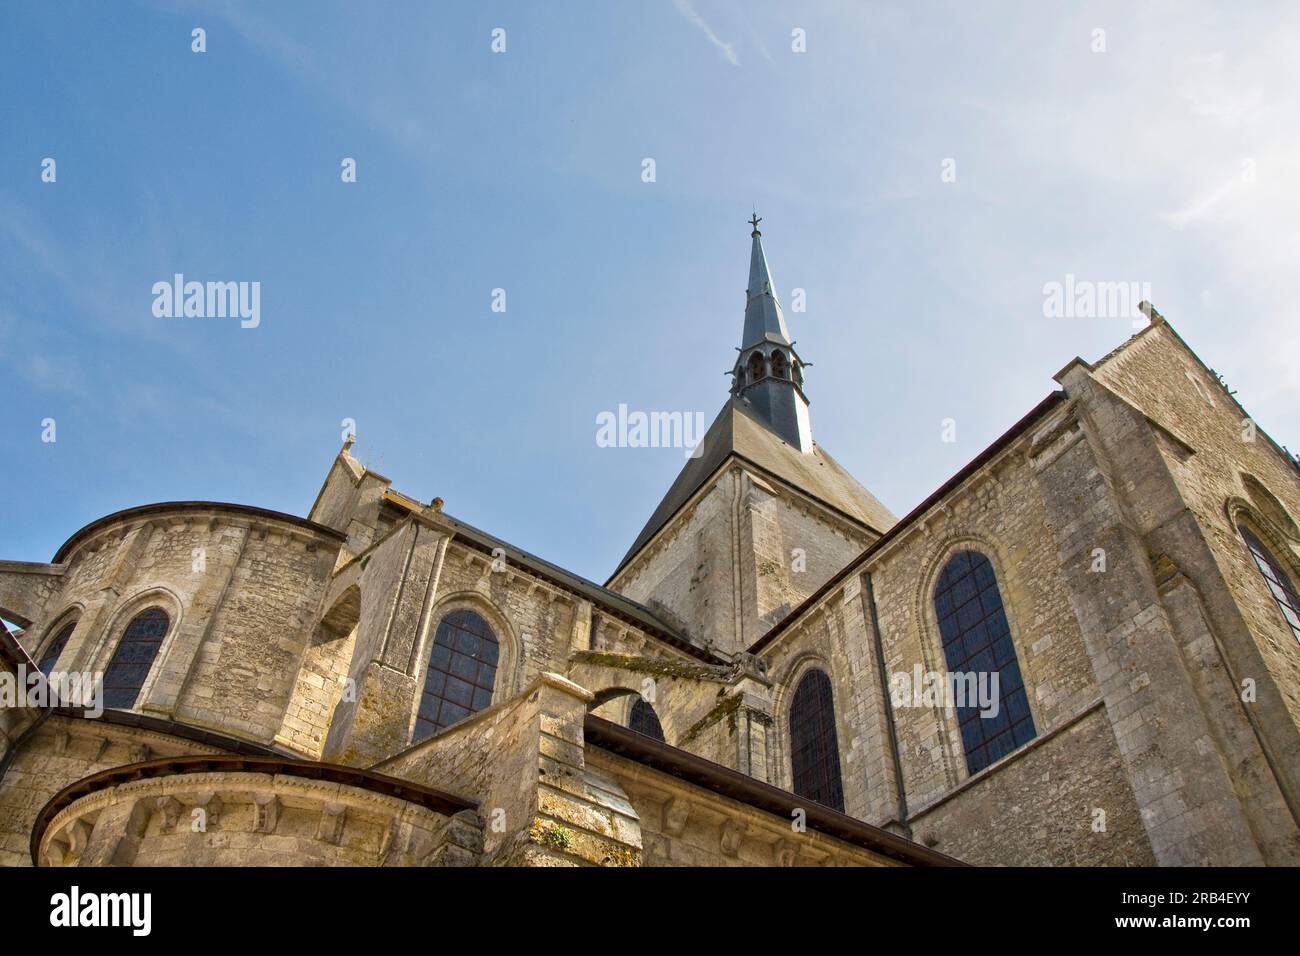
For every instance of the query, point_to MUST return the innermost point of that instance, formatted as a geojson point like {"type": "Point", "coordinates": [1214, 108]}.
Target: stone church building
{"type": "Point", "coordinates": [1084, 648]}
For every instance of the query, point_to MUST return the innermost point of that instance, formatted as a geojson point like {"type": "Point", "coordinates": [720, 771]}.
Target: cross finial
{"type": "Point", "coordinates": [754, 221]}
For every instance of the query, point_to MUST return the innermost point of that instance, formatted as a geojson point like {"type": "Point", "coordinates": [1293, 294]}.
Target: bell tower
{"type": "Point", "coordinates": [768, 374]}
{"type": "Point", "coordinates": [761, 516]}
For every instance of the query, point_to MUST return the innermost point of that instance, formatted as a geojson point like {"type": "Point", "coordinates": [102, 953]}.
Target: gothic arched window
{"type": "Point", "coordinates": [757, 366]}
{"type": "Point", "coordinates": [134, 657]}
{"type": "Point", "coordinates": [461, 674]}
{"type": "Point", "coordinates": [55, 648]}
{"type": "Point", "coordinates": [778, 365]}
{"type": "Point", "coordinates": [977, 644]}
{"type": "Point", "coordinates": [814, 746]}
{"type": "Point", "coordinates": [644, 720]}
{"type": "Point", "coordinates": [1279, 584]}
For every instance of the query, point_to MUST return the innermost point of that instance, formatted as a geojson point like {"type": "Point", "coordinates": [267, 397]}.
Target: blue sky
{"type": "Point", "coordinates": [522, 170]}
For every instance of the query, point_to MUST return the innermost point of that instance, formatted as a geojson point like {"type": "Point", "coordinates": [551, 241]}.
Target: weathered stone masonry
{"type": "Point", "coordinates": [281, 708]}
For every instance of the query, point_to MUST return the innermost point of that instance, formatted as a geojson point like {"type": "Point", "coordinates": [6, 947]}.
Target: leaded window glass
{"type": "Point", "coordinates": [644, 720]}
{"type": "Point", "coordinates": [134, 657]}
{"type": "Point", "coordinates": [461, 674]}
{"type": "Point", "coordinates": [1279, 585]}
{"type": "Point", "coordinates": [977, 641]}
{"type": "Point", "coordinates": [814, 746]}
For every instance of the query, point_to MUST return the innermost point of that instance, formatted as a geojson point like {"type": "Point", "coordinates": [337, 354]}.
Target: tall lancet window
{"type": "Point", "coordinates": [757, 367]}
{"type": "Point", "coordinates": [977, 644]}
{"type": "Point", "coordinates": [644, 720]}
{"type": "Point", "coordinates": [1279, 584]}
{"type": "Point", "coordinates": [461, 674]}
{"type": "Point", "coordinates": [134, 657]}
{"type": "Point", "coordinates": [778, 365]}
{"type": "Point", "coordinates": [814, 746]}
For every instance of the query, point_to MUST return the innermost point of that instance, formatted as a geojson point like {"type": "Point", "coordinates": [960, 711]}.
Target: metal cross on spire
{"type": "Point", "coordinates": [754, 221]}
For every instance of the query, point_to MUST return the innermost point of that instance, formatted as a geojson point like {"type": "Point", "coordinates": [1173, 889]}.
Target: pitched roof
{"type": "Point", "coordinates": [736, 431]}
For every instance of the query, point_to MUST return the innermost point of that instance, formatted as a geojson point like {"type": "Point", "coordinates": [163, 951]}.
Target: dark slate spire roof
{"type": "Point", "coordinates": [765, 422]}
{"type": "Point", "coordinates": [769, 374]}
{"type": "Point", "coordinates": [764, 320]}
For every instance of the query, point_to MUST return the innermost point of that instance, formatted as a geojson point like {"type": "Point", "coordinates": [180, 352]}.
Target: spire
{"type": "Point", "coordinates": [768, 374]}
{"type": "Point", "coordinates": [764, 320]}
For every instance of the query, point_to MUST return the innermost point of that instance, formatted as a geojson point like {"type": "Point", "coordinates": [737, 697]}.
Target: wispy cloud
{"type": "Point", "coordinates": [1203, 206]}
{"type": "Point", "coordinates": [755, 37]}
{"type": "Point", "coordinates": [728, 50]}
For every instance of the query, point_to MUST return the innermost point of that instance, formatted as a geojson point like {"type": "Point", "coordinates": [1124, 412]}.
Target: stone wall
{"type": "Point", "coordinates": [407, 582]}
{"type": "Point", "coordinates": [834, 637]}
{"type": "Point", "coordinates": [739, 557]}
{"type": "Point", "coordinates": [1163, 682]}
{"type": "Point", "coordinates": [26, 589]}
{"type": "Point", "coordinates": [1063, 800]}
{"type": "Point", "coordinates": [1228, 472]}
{"type": "Point", "coordinates": [417, 566]}
{"type": "Point", "coordinates": [61, 752]}
{"type": "Point", "coordinates": [242, 591]}
{"type": "Point", "coordinates": [998, 512]}
{"type": "Point", "coordinates": [237, 818]}
{"type": "Point", "coordinates": [540, 804]}
{"type": "Point", "coordinates": [1135, 613]}
{"type": "Point", "coordinates": [1213, 766]}
{"type": "Point", "coordinates": [687, 571]}
{"type": "Point", "coordinates": [685, 825]}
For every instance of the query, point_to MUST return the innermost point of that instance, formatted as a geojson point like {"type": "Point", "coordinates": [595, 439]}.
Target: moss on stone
{"type": "Point", "coordinates": [725, 707]}
{"type": "Point", "coordinates": [550, 834]}
{"type": "Point", "coordinates": [658, 666]}
{"type": "Point", "coordinates": [622, 856]}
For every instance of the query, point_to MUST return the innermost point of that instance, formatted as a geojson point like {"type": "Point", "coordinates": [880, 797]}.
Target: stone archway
{"type": "Point", "coordinates": [614, 703]}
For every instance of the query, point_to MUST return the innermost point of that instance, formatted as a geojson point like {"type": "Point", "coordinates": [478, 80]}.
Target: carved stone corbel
{"type": "Point", "coordinates": [676, 813]}
{"type": "Point", "coordinates": [733, 834]}
{"type": "Point", "coordinates": [266, 812]}
{"type": "Point", "coordinates": [170, 809]}
{"type": "Point", "coordinates": [332, 818]}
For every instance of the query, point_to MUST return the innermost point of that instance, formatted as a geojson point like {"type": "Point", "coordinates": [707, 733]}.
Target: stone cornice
{"type": "Point", "coordinates": [249, 514]}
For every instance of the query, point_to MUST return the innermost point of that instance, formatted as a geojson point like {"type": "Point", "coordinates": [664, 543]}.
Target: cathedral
{"type": "Point", "coordinates": [1082, 649]}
